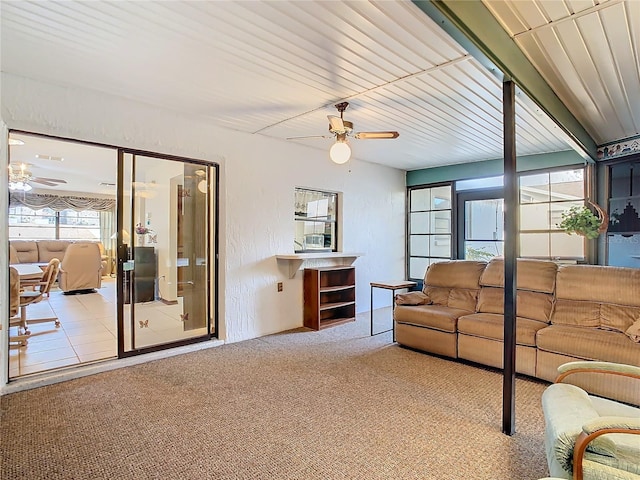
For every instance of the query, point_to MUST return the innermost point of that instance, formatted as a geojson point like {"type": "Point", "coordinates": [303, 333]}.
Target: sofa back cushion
{"type": "Point", "coordinates": [532, 305]}
{"type": "Point", "coordinates": [597, 296]}
{"type": "Point", "coordinates": [535, 281]}
{"type": "Point", "coordinates": [50, 249]}
{"type": "Point", "coordinates": [26, 250]}
{"type": "Point", "coordinates": [532, 275]}
{"type": "Point", "coordinates": [454, 283]}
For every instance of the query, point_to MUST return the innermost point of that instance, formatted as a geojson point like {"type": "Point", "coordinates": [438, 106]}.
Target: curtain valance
{"type": "Point", "coordinates": [61, 202]}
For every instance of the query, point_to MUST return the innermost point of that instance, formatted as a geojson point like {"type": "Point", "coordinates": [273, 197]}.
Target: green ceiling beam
{"type": "Point", "coordinates": [475, 28]}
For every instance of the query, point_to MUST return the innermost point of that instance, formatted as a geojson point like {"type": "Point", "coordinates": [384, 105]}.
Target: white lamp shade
{"type": "Point", "coordinates": [340, 152]}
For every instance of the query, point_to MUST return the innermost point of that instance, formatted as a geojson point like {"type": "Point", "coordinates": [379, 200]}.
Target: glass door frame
{"type": "Point", "coordinates": [122, 252]}
{"type": "Point", "coordinates": [465, 196]}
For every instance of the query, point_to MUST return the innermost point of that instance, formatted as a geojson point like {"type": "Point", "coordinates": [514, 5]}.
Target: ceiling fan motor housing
{"type": "Point", "coordinates": [348, 128]}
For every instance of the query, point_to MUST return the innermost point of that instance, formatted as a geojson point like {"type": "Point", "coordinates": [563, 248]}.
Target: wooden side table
{"type": "Point", "coordinates": [393, 286]}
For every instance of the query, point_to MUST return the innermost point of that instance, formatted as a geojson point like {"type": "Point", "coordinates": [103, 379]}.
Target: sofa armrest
{"type": "Point", "coordinates": [597, 367]}
{"type": "Point", "coordinates": [594, 429]}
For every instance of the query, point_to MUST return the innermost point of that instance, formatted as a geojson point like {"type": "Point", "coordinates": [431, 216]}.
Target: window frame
{"type": "Point", "coordinates": [333, 222]}
{"type": "Point", "coordinates": [408, 234]}
{"type": "Point", "coordinates": [585, 257]}
{"type": "Point", "coordinates": [455, 233]}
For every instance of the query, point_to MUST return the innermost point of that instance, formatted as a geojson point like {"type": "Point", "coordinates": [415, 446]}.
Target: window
{"type": "Point", "coordinates": [84, 225]}
{"type": "Point", "coordinates": [315, 214]}
{"type": "Point", "coordinates": [543, 199]}
{"type": "Point", "coordinates": [429, 228]}
{"type": "Point", "coordinates": [29, 224]}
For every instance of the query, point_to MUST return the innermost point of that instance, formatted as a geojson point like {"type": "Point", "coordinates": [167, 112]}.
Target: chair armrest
{"type": "Point", "coordinates": [595, 428]}
{"type": "Point", "coordinates": [597, 367]}
{"type": "Point", "coordinates": [29, 294]}
{"type": "Point", "coordinates": [628, 424]}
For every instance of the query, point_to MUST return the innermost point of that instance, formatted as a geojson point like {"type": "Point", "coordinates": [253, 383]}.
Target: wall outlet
{"type": "Point", "coordinates": [280, 286]}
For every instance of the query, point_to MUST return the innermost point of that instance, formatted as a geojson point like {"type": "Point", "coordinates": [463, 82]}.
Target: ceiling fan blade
{"type": "Point", "coordinates": [373, 135]}
{"type": "Point", "coordinates": [336, 123]}
{"type": "Point", "coordinates": [43, 182]}
{"type": "Point", "coordinates": [309, 136]}
{"type": "Point", "coordinates": [55, 180]}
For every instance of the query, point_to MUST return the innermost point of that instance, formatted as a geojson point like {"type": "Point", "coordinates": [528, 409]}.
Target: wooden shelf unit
{"type": "Point", "coordinates": [329, 296]}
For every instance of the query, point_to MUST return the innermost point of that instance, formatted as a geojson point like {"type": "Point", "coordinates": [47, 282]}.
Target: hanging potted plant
{"type": "Point", "coordinates": [582, 221]}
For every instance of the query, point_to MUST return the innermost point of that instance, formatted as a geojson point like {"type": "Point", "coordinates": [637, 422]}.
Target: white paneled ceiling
{"type": "Point", "coordinates": [588, 52]}
{"type": "Point", "coordinates": [277, 68]}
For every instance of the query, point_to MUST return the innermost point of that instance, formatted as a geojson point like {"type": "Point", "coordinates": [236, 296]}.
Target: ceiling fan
{"type": "Point", "coordinates": [340, 151]}
{"type": "Point", "coordinates": [20, 178]}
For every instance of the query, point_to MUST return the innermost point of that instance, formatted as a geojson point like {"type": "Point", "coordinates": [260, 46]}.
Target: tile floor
{"type": "Point", "coordinates": [88, 330]}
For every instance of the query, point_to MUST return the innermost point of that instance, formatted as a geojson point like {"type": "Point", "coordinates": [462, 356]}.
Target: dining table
{"type": "Point", "coordinates": [27, 271]}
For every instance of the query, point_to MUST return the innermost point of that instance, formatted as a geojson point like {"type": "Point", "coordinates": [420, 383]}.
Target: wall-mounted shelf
{"type": "Point", "coordinates": [295, 260]}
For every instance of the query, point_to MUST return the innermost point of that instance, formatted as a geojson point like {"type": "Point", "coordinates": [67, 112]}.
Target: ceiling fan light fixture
{"type": "Point", "coordinates": [340, 152]}
{"type": "Point", "coordinates": [19, 187]}
{"type": "Point", "coordinates": [19, 176]}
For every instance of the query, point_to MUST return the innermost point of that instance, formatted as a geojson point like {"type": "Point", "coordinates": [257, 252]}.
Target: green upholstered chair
{"type": "Point", "coordinates": [590, 437]}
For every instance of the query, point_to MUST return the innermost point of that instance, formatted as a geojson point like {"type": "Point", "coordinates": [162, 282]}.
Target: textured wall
{"type": "Point", "coordinates": [258, 176]}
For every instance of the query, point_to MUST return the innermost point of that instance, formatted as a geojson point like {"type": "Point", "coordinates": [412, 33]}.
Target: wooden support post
{"type": "Point", "coordinates": [510, 255]}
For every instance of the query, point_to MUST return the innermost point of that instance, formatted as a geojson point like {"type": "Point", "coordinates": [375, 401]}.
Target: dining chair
{"type": "Point", "coordinates": [14, 305]}
{"type": "Point", "coordinates": [41, 289]}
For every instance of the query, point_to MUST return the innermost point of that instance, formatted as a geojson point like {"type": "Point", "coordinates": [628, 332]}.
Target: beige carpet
{"type": "Point", "coordinates": [336, 404]}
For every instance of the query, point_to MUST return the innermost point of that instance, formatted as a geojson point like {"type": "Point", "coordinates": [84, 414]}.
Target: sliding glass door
{"type": "Point", "coordinates": [165, 251]}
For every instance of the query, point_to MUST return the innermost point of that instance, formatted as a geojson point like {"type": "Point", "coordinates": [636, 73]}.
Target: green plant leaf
{"type": "Point", "coordinates": [581, 221]}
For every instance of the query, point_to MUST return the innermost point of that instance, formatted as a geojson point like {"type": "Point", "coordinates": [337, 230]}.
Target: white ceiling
{"type": "Point", "coordinates": [588, 52]}
{"type": "Point", "coordinates": [276, 68]}
{"type": "Point", "coordinates": [84, 168]}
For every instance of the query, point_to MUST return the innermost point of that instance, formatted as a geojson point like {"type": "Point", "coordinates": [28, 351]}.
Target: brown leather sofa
{"type": "Point", "coordinates": [564, 313]}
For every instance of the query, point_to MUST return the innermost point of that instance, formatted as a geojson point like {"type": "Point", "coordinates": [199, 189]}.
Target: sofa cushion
{"type": "Point", "coordinates": [490, 325]}
{"type": "Point", "coordinates": [533, 305]}
{"type": "Point", "coordinates": [455, 274]}
{"type": "Point", "coordinates": [577, 313]}
{"type": "Point", "coordinates": [597, 283]}
{"type": "Point", "coordinates": [589, 344]}
{"type": "Point", "coordinates": [597, 296]}
{"type": "Point", "coordinates": [433, 316]}
{"type": "Point", "coordinates": [533, 275]}
{"type": "Point", "coordinates": [454, 283]}
{"type": "Point", "coordinates": [13, 255]}
{"type": "Point", "coordinates": [633, 332]}
{"type": "Point", "coordinates": [26, 251]}
{"type": "Point", "coordinates": [618, 317]}
{"type": "Point", "coordinates": [412, 298]}
{"type": "Point", "coordinates": [50, 249]}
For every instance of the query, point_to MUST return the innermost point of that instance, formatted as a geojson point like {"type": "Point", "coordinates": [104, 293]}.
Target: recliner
{"type": "Point", "coordinates": [81, 268]}
{"type": "Point", "coordinates": [590, 437]}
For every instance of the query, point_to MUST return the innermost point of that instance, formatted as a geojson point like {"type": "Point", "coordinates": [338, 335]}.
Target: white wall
{"type": "Point", "coordinates": [258, 176]}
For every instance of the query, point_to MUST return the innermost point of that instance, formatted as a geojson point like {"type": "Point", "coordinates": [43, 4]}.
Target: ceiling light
{"type": "Point", "coordinates": [49, 157]}
{"type": "Point", "coordinates": [340, 152]}
{"type": "Point", "coordinates": [15, 141]}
